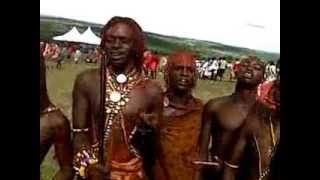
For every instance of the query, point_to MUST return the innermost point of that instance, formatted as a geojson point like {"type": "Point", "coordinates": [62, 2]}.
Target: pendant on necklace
{"type": "Point", "coordinates": [115, 96]}
{"type": "Point", "coordinates": [166, 101]}
{"type": "Point", "coordinates": [121, 78]}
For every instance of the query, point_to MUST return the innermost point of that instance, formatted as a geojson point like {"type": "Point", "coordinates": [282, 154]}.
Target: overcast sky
{"type": "Point", "coordinates": [246, 23]}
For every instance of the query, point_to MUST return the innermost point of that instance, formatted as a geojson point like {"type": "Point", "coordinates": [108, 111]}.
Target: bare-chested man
{"type": "Point", "coordinates": [105, 118]}
{"type": "Point", "coordinates": [54, 130]}
{"type": "Point", "coordinates": [223, 116]}
{"type": "Point", "coordinates": [182, 121]}
{"type": "Point", "coordinates": [258, 139]}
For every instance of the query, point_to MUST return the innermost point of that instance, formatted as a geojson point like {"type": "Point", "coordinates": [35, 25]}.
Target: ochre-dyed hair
{"type": "Point", "coordinates": [176, 57]}
{"type": "Point", "coordinates": [138, 35]}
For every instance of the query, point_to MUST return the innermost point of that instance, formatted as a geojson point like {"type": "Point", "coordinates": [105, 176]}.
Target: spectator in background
{"type": "Point", "coordinates": [213, 68]}
{"type": "Point", "coordinates": [146, 60]}
{"type": "Point", "coordinates": [222, 68]}
{"type": "Point", "coordinates": [150, 64]}
{"type": "Point", "coordinates": [57, 57]}
{"type": "Point", "coordinates": [163, 62]}
{"type": "Point", "coordinates": [234, 69]}
{"type": "Point", "coordinates": [96, 55]}
{"type": "Point", "coordinates": [72, 49]}
{"type": "Point", "coordinates": [64, 53]}
{"type": "Point", "coordinates": [154, 65]}
{"type": "Point", "coordinates": [77, 56]}
{"type": "Point", "coordinates": [271, 72]}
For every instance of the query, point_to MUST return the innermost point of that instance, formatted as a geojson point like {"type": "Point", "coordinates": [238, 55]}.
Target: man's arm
{"type": "Point", "coordinates": [231, 164]}
{"type": "Point", "coordinates": [63, 149]}
{"type": "Point", "coordinates": [204, 136]}
{"type": "Point", "coordinates": [154, 114]}
{"type": "Point", "coordinates": [80, 113]}
{"type": "Point", "coordinates": [205, 131]}
{"type": "Point", "coordinates": [81, 122]}
{"type": "Point", "coordinates": [153, 117]}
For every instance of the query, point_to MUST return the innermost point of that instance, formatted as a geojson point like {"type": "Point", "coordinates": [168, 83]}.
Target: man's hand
{"type": "Point", "coordinates": [150, 119]}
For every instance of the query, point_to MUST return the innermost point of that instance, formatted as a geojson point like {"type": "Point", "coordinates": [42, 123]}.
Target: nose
{"type": "Point", "coordinates": [249, 68]}
{"type": "Point", "coordinates": [116, 43]}
{"type": "Point", "coordinates": [184, 72]}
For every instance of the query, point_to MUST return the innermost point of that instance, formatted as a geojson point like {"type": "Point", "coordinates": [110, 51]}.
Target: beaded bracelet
{"type": "Point", "coordinates": [231, 165]}
{"type": "Point", "coordinates": [80, 130]}
{"type": "Point", "coordinates": [83, 159]}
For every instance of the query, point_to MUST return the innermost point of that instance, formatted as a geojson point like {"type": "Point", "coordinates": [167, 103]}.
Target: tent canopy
{"type": "Point", "coordinates": [72, 36]}
{"type": "Point", "coordinates": [89, 37]}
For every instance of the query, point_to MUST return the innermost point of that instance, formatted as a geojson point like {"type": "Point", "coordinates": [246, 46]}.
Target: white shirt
{"type": "Point", "coordinates": [223, 64]}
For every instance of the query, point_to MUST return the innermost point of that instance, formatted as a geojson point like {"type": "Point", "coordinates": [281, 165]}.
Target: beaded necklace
{"type": "Point", "coordinates": [117, 96]}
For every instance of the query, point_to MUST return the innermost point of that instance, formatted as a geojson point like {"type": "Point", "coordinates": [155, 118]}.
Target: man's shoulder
{"type": "Point", "coordinates": [88, 76]}
{"type": "Point", "coordinates": [216, 103]}
{"type": "Point", "coordinates": [153, 87]}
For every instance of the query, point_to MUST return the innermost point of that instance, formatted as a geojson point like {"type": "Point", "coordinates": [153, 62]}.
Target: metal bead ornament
{"type": "Point", "coordinates": [121, 78]}
{"type": "Point", "coordinates": [118, 88]}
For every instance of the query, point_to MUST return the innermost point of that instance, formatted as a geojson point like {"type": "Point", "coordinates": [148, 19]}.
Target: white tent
{"type": "Point", "coordinates": [73, 36]}
{"type": "Point", "coordinates": [89, 37]}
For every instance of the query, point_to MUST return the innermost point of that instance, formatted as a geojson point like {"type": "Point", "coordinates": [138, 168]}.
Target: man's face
{"type": "Point", "coordinates": [250, 72]}
{"type": "Point", "coordinates": [119, 44]}
{"type": "Point", "coordinates": [182, 76]}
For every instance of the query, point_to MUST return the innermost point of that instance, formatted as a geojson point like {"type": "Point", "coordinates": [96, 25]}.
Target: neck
{"type": "Point", "coordinates": [179, 97]}
{"type": "Point", "coordinates": [123, 70]}
{"type": "Point", "coordinates": [245, 93]}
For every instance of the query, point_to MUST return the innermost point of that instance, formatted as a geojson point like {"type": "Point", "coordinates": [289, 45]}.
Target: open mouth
{"type": "Point", "coordinates": [117, 55]}
{"type": "Point", "coordinates": [248, 75]}
{"type": "Point", "coordinates": [183, 82]}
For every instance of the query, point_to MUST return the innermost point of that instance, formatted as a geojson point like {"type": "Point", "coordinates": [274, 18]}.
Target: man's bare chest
{"type": "Point", "coordinates": [231, 118]}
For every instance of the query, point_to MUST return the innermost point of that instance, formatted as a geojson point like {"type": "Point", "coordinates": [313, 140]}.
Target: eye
{"type": "Point", "coordinates": [190, 69]}
{"type": "Point", "coordinates": [109, 39]}
{"type": "Point", "coordinates": [125, 41]}
{"type": "Point", "coordinates": [257, 68]}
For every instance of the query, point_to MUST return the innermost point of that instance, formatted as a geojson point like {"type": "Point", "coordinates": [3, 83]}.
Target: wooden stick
{"type": "Point", "coordinates": [101, 123]}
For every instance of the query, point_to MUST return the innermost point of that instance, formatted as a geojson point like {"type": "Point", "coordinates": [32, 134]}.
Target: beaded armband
{"type": "Point", "coordinates": [83, 159]}
{"type": "Point", "coordinates": [80, 130]}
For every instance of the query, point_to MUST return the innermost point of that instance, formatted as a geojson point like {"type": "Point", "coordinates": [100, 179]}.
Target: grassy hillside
{"type": "Point", "coordinates": [53, 26]}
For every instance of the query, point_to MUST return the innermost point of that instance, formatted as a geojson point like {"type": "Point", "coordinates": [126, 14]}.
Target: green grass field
{"type": "Point", "coordinates": [60, 84]}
